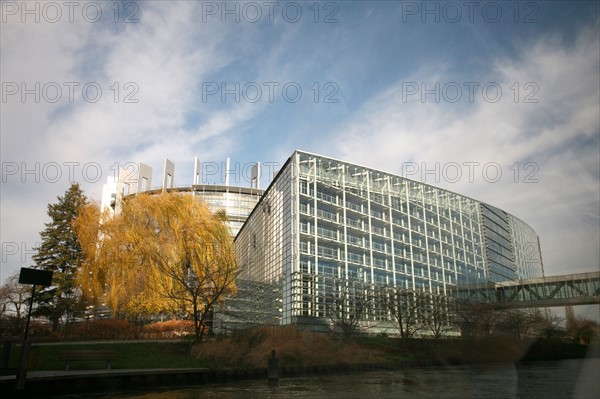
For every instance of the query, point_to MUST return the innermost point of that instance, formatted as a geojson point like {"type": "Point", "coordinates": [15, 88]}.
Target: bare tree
{"type": "Point", "coordinates": [437, 313]}
{"type": "Point", "coordinates": [346, 305]}
{"type": "Point", "coordinates": [14, 302]}
{"type": "Point", "coordinates": [517, 323]}
{"type": "Point", "coordinates": [581, 330]}
{"type": "Point", "coordinates": [14, 297]}
{"type": "Point", "coordinates": [476, 319]}
{"type": "Point", "coordinates": [548, 325]}
{"type": "Point", "coordinates": [403, 306]}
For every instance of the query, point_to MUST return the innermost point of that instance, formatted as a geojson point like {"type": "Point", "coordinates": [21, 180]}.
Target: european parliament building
{"type": "Point", "coordinates": [328, 235]}
{"type": "Point", "coordinates": [327, 232]}
{"type": "Point", "coordinates": [235, 200]}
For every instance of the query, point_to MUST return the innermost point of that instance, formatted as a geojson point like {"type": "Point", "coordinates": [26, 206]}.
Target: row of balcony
{"type": "Point", "coordinates": [426, 227]}
{"type": "Point", "coordinates": [337, 254]}
{"type": "Point", "coordinates": [416, 210]}
{"type": "Point", "coordinates": [445, 248]}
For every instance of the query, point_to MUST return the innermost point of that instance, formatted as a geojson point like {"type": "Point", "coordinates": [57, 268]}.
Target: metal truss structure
{"type": "Point", "coordinates": [565, 290]}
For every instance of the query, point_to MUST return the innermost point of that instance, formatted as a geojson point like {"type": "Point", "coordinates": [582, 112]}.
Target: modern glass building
{"type": "Point", "coordinates": [236, 201]}
{"type": "Point", "coordinates": [326, 229]}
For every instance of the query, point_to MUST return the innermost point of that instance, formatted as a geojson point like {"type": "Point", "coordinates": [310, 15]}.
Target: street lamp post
{"type": "Point", "coordinates": [34, 277]}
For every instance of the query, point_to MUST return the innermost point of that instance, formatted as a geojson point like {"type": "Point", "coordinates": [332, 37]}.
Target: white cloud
{"type": "Point", "coordinates": [559, 134]}
{"type": "Point", "coordinates": [165, 57]}
{"type": "Point", "coordinates": [170, 52]}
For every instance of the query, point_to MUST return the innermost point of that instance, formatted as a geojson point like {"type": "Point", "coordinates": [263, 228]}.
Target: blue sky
{"type": "Point", "coordinates": [509, 87]}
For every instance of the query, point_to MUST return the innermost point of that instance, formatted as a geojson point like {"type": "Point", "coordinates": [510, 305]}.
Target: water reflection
{"type": "Point", "coordinates": [527, 381]}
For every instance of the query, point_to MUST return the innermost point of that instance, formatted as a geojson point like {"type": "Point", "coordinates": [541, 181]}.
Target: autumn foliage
{"type": "Point", "coordinates": [104, 329]}
{"type": "Point", "coordinates": [163, 253]}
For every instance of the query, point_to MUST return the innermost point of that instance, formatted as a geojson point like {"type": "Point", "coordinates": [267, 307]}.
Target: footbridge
{"type": "Point", "coordinates": [551, 291]}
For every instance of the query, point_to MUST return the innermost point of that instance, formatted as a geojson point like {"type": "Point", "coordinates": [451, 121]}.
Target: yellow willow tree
{"type": "Point", "coordinates": [165, 252]}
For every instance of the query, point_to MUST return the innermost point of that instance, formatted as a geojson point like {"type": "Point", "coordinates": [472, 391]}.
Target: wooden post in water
{"type": "Point", "coordinates": [273, 372]}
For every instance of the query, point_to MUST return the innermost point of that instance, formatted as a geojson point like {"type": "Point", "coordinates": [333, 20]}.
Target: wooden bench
{"type": "Point", "coordinates": [70, 356]}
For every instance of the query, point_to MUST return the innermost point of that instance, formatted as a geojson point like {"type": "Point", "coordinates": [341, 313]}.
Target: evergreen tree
{"type": "Point", "coordinates": [60, 253]}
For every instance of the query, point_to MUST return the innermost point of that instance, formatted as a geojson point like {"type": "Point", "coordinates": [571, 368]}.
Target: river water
{"type": "Point", "coordinates": [564, 379]}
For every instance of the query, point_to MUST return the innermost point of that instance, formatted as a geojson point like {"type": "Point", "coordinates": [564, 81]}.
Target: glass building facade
{"type": "Point", "coordinates": [237, 202]}
{"type": "Point", "coordinates": [324, 224]}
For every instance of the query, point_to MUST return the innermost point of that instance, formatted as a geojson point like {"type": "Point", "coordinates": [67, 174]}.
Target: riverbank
{"type": "Point", "coordinates": [140, 383]}
{"type": "Point", "coordinates": [294, 348]}
{"type": "Point", "coordinates": [141, 365]}
{"type": "Point", "coordinates": [251, 348]}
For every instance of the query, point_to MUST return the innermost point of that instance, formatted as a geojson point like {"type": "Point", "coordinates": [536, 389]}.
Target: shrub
{"type": "Point", "coordinates": [104, 329]}
{"type": "Point", "coordinates": [11, 328]}
{"type": "Point", "coordinates": [294, 347]}
{"type": "Point", "coordinates": [168, 329]}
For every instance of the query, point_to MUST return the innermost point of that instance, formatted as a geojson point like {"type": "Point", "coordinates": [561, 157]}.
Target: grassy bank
{"type": "Point", "coordinates": [130, 355]}
{"type": "Point", "coordinates": [300, 348]}
{"type": "Point", "coordinates": [252, 348]}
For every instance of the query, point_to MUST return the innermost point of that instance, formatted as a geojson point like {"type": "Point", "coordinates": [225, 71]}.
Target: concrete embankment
{"type": "Point", "coordinates": [48, 383]}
